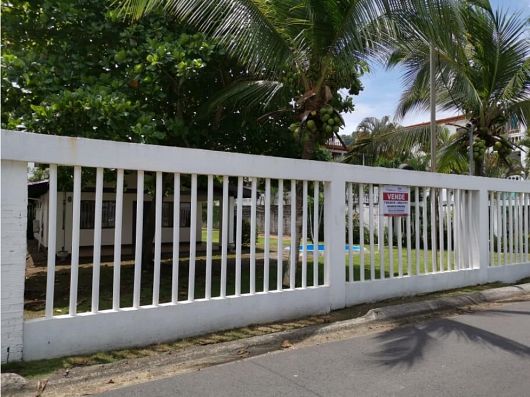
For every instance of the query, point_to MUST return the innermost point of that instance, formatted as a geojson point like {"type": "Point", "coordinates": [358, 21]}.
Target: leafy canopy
{"type": "Point", "coordinates": [297, 54]}
{"type": "Point", "coordinates": [74, 67]}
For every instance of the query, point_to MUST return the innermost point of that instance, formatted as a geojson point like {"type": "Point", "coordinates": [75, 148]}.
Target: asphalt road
{"type": "Point", "coordinates": [480, 354]}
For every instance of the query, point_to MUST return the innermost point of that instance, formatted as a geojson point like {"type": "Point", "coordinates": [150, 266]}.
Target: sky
{"type": "Point", "coordinates": [382, 88]}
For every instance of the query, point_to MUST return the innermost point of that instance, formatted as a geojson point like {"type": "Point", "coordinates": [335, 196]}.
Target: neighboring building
{"type": "Point", "coordinates": [516, 133]}
{"type": "Point", "coordinates": [337, 148]}
{"type": "Point", "coordinates": [451, 123]}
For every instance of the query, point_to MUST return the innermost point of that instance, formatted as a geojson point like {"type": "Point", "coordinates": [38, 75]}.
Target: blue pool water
{"type": "Point", "coordinates": [321, 248]}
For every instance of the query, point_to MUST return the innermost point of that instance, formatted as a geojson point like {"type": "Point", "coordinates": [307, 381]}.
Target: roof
{"type": "Point", "coordinates": [447, 120]}
{"type": "Point", "coordinates": [37, 189]}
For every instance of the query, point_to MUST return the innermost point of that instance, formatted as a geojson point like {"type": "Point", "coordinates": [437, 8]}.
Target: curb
{"type": "Point", "coordinates": [405, 310]}
{"type": "Point", "coordinates": [428, 306]}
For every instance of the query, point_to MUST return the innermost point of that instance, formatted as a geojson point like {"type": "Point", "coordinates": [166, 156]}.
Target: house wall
{"type": "Point", "coordinates": [86, 236]}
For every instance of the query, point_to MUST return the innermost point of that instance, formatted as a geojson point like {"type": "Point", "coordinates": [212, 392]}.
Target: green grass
{"type": "Point", "coordinates": [260, 240]}
{"type": "Point", "coordinates": [424, 266]}
{"type": "Point", "coordinates": [215, 235]}
{"type": "Point", "coordinates": [35, 286]}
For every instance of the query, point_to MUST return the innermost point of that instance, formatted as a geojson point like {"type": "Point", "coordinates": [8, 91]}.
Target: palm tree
{"type": "Point", "coordinates": [483, 72]}
{"type": "Point", "coordinates": [296, 55]}
{"type": "Point", "coordinates": [375, 144]}
{"type": "Point", "coordinates": [370, 143]}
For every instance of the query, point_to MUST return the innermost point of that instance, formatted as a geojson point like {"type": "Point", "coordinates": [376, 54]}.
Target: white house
{"type": "Point", "coordinates": [38, 194]}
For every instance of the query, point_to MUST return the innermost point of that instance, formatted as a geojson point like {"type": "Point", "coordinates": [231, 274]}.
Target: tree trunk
{"type": "Point", "coordinates": [149, 223]}
{"type": "Point", "coordinates": [479, 167]}
{"type": "Point", "coordinates": [148, 236]}
{"type": "Point", "coordinates": [307, 154]}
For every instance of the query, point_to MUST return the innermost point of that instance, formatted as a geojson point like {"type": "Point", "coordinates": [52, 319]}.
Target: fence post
{"type": "Point", "coordinates": [480, 233]}
{"type": "Point", "coordinates": [334, 229]}
{"type": "Point", "coordinates": [13, 265]}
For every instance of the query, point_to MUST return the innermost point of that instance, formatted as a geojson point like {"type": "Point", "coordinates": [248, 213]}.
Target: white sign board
{"type": "Point", "coordinates": [396, 200]}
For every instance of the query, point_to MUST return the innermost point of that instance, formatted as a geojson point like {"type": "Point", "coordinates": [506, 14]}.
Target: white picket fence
{"type": "Point", "coordinates": [460, 231]}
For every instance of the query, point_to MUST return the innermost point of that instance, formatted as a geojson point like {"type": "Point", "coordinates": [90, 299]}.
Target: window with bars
{"type": "Point", "coordinates": [167, 214]}
{"type": "Point", "coordinates": [88, 208]}
{"type": "Point", "coordinates": [108, 212]}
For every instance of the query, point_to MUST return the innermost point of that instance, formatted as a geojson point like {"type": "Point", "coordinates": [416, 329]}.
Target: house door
{"type": "Point", "coordinates": [147, 207]}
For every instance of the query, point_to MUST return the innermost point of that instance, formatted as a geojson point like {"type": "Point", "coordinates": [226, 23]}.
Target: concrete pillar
{"type": "Point", "coordinates": [13, 265]}
{"type": "Point", "coordinates": [334, 227]}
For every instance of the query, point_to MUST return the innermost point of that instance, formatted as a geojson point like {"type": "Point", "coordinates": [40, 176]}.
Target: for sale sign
{"type": "Point", "coordinates": [396, 200]}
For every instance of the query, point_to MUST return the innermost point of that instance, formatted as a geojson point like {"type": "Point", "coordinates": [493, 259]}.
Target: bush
{"type": "Point", "coordinates": [245, 232]}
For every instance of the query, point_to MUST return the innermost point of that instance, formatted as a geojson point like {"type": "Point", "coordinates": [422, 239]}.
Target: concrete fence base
{"type": "Point", "coordinates": [475, 200]}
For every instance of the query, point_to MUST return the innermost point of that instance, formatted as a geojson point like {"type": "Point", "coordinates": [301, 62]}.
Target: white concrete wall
{"type": "Point", "coordinates": [88, 332]}
{"type": "Point", "coordinates": [13, 266]}
{"type": "Point", "coordinates": [376, 290]}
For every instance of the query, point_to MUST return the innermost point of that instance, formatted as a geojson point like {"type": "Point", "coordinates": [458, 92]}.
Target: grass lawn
{"type": "Point", "coordinates": [260, 240]}
{"type": "Point", "coordinates": [36, 282]}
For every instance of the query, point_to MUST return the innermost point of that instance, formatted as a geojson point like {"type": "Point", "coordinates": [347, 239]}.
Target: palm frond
{"type": "Point", "coordinates": [451, 158]}
{"type": "Point", "coordinates": [253, 94]}
{"type": "Point", "coordinates": [238, 25]}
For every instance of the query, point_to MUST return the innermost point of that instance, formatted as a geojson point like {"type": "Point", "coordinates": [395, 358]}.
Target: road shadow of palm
{"type": "Point", "coordinates": [405, 347]}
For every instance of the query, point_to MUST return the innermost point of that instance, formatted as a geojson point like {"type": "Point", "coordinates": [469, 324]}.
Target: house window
{"type": "Point", "coordinates": [88, 209]}
{"type": "Point", "coordinates": [167, 214]}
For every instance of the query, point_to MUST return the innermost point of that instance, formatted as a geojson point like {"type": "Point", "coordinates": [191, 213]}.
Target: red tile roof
{"type": "Point", "coordinates": [439, 121]}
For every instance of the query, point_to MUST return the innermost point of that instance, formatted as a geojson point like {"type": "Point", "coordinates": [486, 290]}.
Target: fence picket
{"type": "Point", "coordinates": [294, 249]}
{"type": "Point", "coordinates": [138, 239]}
{"type": "Point", "coordinates": [361, 230]}
{"type": "Point", "coordinates": [239, 233]}
{"type": "Point", "coordinates": [304, 234]}
{"type": "Point", "coordinates": [224, 237]}
{"type": "Point", "coordinates": [252, 274]}
{"type": "Point", "coordinates": [266, 237]}
{"type": "Point", "coordinates": [371, 229]}
{"type": "Point", "coordinates": [176, 240]}
{"type": "Point", "coordinates": [159, 194]}
{"type": "Point", "coordinates": [209, 236]}
{"type": "Point", "coordinates": [74, 264]}
{"type": "Point", "coordinates": [52, 240]}
{"type": "Point", "coordinates": [316, 202]}
{"type": "Point", "coordinates": [350, 232]}
{"type": "Point", "coordinates": [193, 238]}
{"type": "Point", "coordinates": [279, 266]}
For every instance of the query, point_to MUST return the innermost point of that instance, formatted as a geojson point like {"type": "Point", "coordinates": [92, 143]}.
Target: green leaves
{"type": "Point", "coordinates": [288, 49]}
{"type": "Point", "coordinates": [75, 67]}
{"type": "Point", "coordinates": [482, 65]}
{"type": "Point", "coordinates": [80, 70]}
